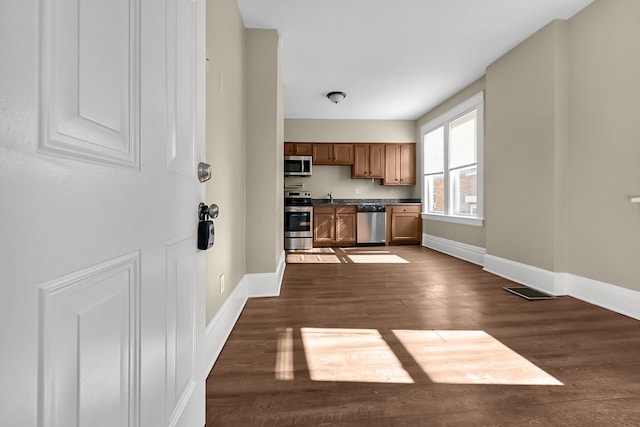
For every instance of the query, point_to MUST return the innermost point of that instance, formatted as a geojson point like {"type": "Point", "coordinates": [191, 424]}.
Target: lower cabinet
{"type": "Point", "coordinates": [334, 226]}
{"type": "Point", "coordinates": [404, 225]}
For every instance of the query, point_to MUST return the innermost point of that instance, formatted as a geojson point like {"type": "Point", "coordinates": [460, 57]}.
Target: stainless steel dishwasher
{"type": "Point", "coordinates": [372, 224]}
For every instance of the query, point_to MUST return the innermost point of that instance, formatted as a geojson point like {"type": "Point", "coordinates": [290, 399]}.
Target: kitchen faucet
{"type": "Point", "coordinates": [330, 194]}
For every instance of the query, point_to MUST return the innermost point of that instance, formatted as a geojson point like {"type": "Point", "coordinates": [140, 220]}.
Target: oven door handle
{"type": "Point", "coordinates": [298, 208]}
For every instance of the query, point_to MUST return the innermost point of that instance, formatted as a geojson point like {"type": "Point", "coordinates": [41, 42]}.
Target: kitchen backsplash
{"type": "Point", "coordinates": [337, 179]}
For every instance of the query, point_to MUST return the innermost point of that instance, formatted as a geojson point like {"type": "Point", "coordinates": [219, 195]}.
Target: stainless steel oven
{"type": "Point", "coordinates": [298, 220]}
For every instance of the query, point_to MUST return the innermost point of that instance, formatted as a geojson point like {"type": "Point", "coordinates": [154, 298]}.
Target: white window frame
{"type": "Point", "coordinates": [476, 102]}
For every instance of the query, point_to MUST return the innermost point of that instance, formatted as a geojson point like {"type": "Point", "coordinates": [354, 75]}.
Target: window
{"type": "Point", "coordinates": [452, 166]}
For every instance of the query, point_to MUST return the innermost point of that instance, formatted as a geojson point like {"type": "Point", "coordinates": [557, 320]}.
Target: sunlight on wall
{"type": "Point", "coordinates": [354, 355]}
{"type": "Point", "coordinates": [470, 357]}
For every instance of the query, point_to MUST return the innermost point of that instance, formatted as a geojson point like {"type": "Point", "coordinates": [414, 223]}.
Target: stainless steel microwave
{"type": "Point", "coordinates": [297, 165]}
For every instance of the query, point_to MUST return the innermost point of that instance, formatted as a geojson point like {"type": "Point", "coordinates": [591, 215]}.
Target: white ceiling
{"type": "Point", "coordinates": [395, 59]}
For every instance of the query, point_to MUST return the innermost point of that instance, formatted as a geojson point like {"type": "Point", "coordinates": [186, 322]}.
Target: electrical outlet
{"type": "Point", "coordinates": [357, 191]}
{"type": "Point", "coordinates": [221, 283]}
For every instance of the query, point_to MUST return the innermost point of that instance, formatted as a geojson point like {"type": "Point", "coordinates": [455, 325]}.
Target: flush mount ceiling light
{"type": "Point", "coordinates": [336, 97]}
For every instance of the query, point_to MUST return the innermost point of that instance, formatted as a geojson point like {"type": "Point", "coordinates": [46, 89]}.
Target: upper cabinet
{"type": "Point", "coordinates": [368, 161]}
{"type": "Point", "coordinates": [393, 164]}
{"type": "Point", "coordinates": [400, 164]}
{"type": "Point", "coordinates": [332, 154]}
{"type": "Point", "coordinates": [297, 149]}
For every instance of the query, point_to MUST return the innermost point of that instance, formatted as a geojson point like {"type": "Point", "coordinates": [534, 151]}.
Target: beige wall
{"type": "Point", "coordinates": [604, 152]}
{"type": "Point", "coordinates": [520, 146]}
{"type": "Point", "coordinates": [225, 148]}
{"type": "Point", "coordinates": [562, 148]}
{"type": "Point", "coordinates": [318, 130]}
{"type": "Point", "coordinates": [338, 178]}
{"type": "Point", "coordinates": [264, 168]}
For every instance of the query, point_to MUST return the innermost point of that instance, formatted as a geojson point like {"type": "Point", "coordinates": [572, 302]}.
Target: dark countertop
{"type": "Point", "coordinates": [320, 202]}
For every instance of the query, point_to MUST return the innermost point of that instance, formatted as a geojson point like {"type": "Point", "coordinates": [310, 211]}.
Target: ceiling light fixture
{"type": "Point", "coordinates": [336, 97]}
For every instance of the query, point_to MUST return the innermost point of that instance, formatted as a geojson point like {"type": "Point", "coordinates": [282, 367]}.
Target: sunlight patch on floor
{"type": "Point", "coordinates": [284, 361]}
{"type": "Point", "coordinates": [353, 255]}
{"type": "Point", "coordinates": [444, 356]}
{"type": "Point", "coordinates": [298, 258]}
{"type": "Point", "coordinates": [353, 355]}
{"type": "Point", "coordinates": [377, 259]}
{"type": "Point", "coordinates": [470, 357]}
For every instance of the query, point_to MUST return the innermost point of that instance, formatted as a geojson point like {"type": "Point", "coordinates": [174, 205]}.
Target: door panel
{"type": "Point", "coordinates": [346, 228]}
{"type": "Point", "coordinates": [360, 161]}
{"type": "Point", "coordinates": [376, 160]}
{"type": "Point", "coordinates": [343, 154]}
{"type": "Point", "coordinates": [322, 154]}
{"type": "Point", "coordinates": [181, 77]}
{"type": "Point", "coordinates": [323, 226]}
{"type": "Point", "coordinates": [408, 164]}
{"type": "Point", "coordinates": [392, 164]}
{"type": "Point", "coordinates": [181, 360]}
{"type": "Point", "coordinates": [91, 81]}
{"type": "Point", "coordinates": [90, 344]}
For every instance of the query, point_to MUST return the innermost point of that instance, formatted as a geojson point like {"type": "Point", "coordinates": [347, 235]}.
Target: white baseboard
{"type": "Point", "coordinates": [219, 328]}
{"type": "Point", "coordinates": [615, 298]}
{"type": "Point", "coordinates": [470, 253]}
{"type": "Point", "coordinates": [533, 277]}
{"type": "Point", "coordinates": [612, 297]}
{"type": "Point", "coordinates": [262, 285]}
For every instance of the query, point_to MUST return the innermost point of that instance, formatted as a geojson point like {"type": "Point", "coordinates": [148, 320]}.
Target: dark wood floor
{"type": "Point", "coordinates": [430, 341]}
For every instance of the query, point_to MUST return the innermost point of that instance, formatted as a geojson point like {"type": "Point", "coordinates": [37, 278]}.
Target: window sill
{"type": "Point", "coordinates": [476, 222]}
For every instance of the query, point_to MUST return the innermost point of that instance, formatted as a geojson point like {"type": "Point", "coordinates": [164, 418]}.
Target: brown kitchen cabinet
{"type": "Point", "coordinates": [400, 164]}
{"type": "Point", "coordinates": [332, 154]}
{"type": "Point", "coordinates": [368, 161]}
{"type": "Point", "coordinates": [297, 149]}
{"type": "Point", "coordinates": [404, 225]}
{"type": "Point", "coordinates": [334, 225]}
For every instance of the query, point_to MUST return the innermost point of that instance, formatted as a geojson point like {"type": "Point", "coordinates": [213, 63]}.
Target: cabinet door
{"type": "Point", "coordinates": [400, 164]}
{"type": "Point", "coordinates": [303, 149]}
{"type": "Point", "coordinates": [324, 232]}
{"type": "Point", "coordinates": [407, 164]}
{"type": "Point", "coordinates": [322, 154]}
{"type": "Point", "coordinates": [345, 228]}
{"type": "Point", "coordinates": [376, 160]}
{"type": "Point", "coordinates": [392, 165]}
{"type": "Point", "coordinates": [360, 161]}
{"type": "Point", "coordinates": [406, 224]}
{"type": "Point", "coordinates": [297, 149]}
{"type": "Point", "coordinates": [342, 154]}
{"type": "Point", "coordinates": [289, 149]}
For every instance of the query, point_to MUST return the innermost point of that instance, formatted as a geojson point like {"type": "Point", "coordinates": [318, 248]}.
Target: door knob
{"type": "Point", "coordinates": [204, 172]}
{"type": "Point", "coordinates": [205, 211]}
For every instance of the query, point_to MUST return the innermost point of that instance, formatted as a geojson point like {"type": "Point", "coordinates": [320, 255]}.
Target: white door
{"type": "Point", "coordinates": [101, 284]}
